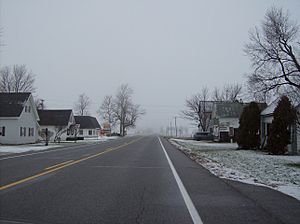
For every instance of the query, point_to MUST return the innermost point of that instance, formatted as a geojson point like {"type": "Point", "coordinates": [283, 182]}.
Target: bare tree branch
{"type": "Point", "coordinates": [126, 112]}
{"type": "Point", "coordinates": [199, 109]}
{"type": "Point", "coordinates": [230, 93]}
{"type": "Point", "coordinates": [82, 106]}
{"type": "Point", "coordinates": [106, 110]}
{"type": "Point", "coordinates": [17, 79]}
{"type": "Point", "coordinates": [271, 50]}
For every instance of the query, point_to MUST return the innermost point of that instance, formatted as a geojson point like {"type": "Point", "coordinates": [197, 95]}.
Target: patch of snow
{"type": "Point", "coordinates": [6, 149]}
{"type": "Point", "coordinates": [205, 145]}
{"type": "Point", "coordinates": [26, 148]}
{"type": "Point", "coordinates": [93, 139]}
{"type": "Point", "coordinates": [253, 167]}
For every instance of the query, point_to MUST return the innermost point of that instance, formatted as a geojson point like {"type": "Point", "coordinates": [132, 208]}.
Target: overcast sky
{"type": "Point", "coordinates": [165, 50]}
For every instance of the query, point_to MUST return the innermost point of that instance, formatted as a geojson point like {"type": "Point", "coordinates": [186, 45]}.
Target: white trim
{"type": "Point", "coordinates": [187, 200]}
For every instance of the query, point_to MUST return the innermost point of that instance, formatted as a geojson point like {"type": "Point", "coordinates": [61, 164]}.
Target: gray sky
{"type": "Point", "coordinates": [165, 50]}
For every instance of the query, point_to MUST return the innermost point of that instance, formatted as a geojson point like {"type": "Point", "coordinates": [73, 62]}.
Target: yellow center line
{"type": "Point", "coordinates": [62, 166]}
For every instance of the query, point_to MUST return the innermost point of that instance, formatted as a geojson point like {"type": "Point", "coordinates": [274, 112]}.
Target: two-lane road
{"type": "Point", "coordinates": [131, 180]}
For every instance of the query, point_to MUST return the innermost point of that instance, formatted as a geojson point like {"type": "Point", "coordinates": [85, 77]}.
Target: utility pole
{"type": "Point", "coordinates": [175, 126]}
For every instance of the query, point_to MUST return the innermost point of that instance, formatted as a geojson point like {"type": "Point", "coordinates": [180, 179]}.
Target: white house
{"type": "Point", "coordinates": [18, 119]}
{"type": "Point", "coordinates": [266, 118]}
{"type": "Point", "coordinates": [89, 126]}
{"type": "Point", "coordinates": [59, 123]}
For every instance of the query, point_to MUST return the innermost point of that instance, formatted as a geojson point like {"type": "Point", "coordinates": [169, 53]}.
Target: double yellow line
{"type": "Point", "coordinates": [63, 165]}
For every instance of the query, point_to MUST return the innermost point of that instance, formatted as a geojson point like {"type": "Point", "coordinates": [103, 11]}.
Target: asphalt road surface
{"type": "Point", "coordinates": [130, 180]}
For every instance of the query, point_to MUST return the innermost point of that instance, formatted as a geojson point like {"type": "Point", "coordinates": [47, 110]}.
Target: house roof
{"type": "Point", "coordinates": [229, 109]}
{"type": "Point", "coordinates": [12, 104]}
{"type": "Point", "coordinates": [54, 117]}
{"type": "Point", "coordinates": [269, 110]}
{"type": "Point", "coordinates": [234, 109]}
{"type": "Point", "coordinates": [87, 122]}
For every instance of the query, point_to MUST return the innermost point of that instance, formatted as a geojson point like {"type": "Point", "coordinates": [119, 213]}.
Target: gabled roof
{"type": "Point", "coordinates": [87, 122]}
{"type": "Point", "coordinates": [233, 109]}
{"type": "Point", "coordinates": [269, 110]}
{"type": "Point", "coordinates": [229, 109]}
{"type": "Point", "coordinates": [12, 104]}
{"type": "Point", "coordinates": [54, 117]}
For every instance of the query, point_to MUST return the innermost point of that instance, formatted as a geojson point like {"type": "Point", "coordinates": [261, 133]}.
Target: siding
{"type": "Point", "coordinates": [12, 128]}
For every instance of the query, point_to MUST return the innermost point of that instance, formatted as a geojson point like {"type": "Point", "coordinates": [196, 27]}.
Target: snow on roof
{"type": "Point", "coordinates": [270, 109]}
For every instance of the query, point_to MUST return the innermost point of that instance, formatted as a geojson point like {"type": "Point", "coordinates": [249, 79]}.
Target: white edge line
{"type": "Point", "coordinates": [188, 202]}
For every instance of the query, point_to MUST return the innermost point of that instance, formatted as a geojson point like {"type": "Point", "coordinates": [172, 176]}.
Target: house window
{"type": "Point", "coordinates": [90, 132]}
{"type": "Point", "coordinates": [2, 131]}
{"type": "Point", "coordinates": [27, 109]}
{"type": "Point", "coordinates": [31, 131]}
{"type": "Point", "coordinates": [68, 131]}
{"type": "Point", "coordinates": [22, 131]}
{"type": "Point", "coordinates": [80, 132]}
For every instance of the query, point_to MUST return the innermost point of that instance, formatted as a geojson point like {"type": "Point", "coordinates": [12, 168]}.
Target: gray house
{"type": "Point", "coordinates": [18, 119]}
{"type": "Point", "coordinates": [225, 119]}
{"type": "Point", "coordinates": [265, 124]}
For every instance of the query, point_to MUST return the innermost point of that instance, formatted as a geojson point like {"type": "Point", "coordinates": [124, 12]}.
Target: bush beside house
{"type": "Point", "coordinates": [280, 130]}
{"type": "Point", "coordinates": [248, 132]}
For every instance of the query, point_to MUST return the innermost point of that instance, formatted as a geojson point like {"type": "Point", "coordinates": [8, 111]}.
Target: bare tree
{"type": "Point", "coordinates": [126, 112]}
{"type": "Point", "coordinates": [45, 136]}
{"type": "Point", "coordinates": [17, 79]}
{"type": "Point", "coordinates": [134, 112]}
{"type": "Point", "coordinates": [59, 130]}
{"type": "Point", "coordinates": [40, 104]}
{"type": "Point", "coordinates": [106, 110]}
{"type": "Point", "coordinates": [199, 109]}
{"type": "Point", "coordinates": [81, 107]}
{"type": "Point", "coordinates": [230, 93]}
{"type": "Point", "coordinates": [274, 53]}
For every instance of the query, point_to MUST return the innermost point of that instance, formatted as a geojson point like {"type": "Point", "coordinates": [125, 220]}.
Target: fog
{"type": "Point", "coordinates": [165, 50]}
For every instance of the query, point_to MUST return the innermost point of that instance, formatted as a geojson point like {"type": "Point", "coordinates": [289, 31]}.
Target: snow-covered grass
{"type": "Point", "coordinates": [6, 149]}
{"type": "Point", "coordinates": [254, 167]}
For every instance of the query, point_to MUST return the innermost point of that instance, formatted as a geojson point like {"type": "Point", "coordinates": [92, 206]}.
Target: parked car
{"type": "Point", "coordinates": [198, 136]}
